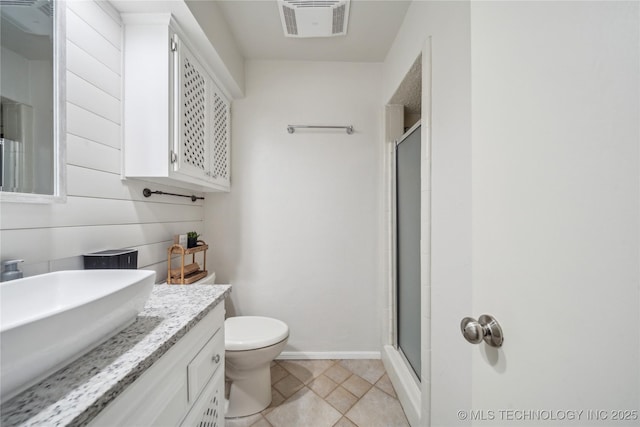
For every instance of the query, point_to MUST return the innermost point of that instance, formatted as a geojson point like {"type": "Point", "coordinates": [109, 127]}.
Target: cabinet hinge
{"type": "Point", "coordinates": [173, 156]}
{"type": "Point", "coordinates": [173, 46]}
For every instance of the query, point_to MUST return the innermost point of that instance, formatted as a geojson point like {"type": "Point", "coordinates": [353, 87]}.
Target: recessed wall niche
{"type": "Point", "coordinates": [409, 94]}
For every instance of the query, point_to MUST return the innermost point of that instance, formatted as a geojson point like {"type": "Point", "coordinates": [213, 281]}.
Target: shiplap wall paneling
{"type": "Point", "coordinates": [95, 14]}
{"type": "Point", "coordinates": [89, 125]}
{"type": "Point", "coordinates": [90, 40]}
{"type": "Point", "coordinates": [89, 68]}
{"type": "Point", "coordinates": [92, 155]}
{"type": "Point", "coordinates": [85, 179]}
{"type": "Point", "coordinates": [68, 242]}
{"type": "Point", "coordinates": [87, 95]}
{"type": "Point", "coordinates": [85, 211]}
{"type": "Point", "coordinates": [102, 210]}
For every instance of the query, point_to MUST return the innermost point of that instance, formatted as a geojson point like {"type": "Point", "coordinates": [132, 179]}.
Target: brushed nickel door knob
{"type": "Point", "coordinates": [486, 329]}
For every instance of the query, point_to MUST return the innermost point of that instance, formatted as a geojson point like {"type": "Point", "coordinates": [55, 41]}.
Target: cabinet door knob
{"type": "Point", "coordinates": [216, 358]}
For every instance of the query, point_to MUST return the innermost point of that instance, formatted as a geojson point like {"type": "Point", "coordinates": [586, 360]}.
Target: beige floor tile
{"type": "Point", "coordinates": [337, 373]}
{"type": "Point", "coordinates": [261, 423]}
{"type": "Point", "coordinates": [276, 400]}
{"type": "Point", "coordinates": [322, 385]}
{"type": "Point", "coordinates": [330, 397]}
{"type": "Point", "coordinates": [341, 399]}
{"type": "Point", "coordinates": [369, 369]}
{"type": "Point", "coordinates": [288, 385]}
{"type": "Point", "coordinates": [377, 409]}
{"type": "Point", "coordinates": [306, 370]}
{"type": "Point", "coordinates": [384, 384]}
{"type": "Point", "coordinates": [277, 373]}
{"type": "Point", "coordinates": [304, 408]}
{"type": "Point", "coordinates": [243, 421]}
{"type": "Point", "coordinates": [344, 422]}
{"type": "Point", "coordinates": [357, 385]}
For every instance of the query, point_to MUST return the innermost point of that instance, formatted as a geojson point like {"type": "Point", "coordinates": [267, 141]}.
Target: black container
{"type": "Point", "coordinates": [112, 259]}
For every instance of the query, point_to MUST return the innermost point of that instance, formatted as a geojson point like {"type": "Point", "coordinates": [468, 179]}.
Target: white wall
{"type": "Point", "coordinates": [216, 28]}
{"type": "Point", "coordinates": [447, 24]}
{"type": "Point", "coordinates": [101, 211]}
{"type": "Point", "coordinates": [298, 236]}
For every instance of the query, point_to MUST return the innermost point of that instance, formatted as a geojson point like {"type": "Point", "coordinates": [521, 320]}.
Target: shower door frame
{"type": "Point", "coordinates": [394, 248]}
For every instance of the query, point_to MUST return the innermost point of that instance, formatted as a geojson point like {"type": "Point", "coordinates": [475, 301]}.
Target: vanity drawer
{"type": "Point", "coordinates": [208, 360]}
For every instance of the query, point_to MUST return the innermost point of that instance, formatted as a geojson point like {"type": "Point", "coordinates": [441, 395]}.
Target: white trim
{"type": "Point", "coordinates": [322, 355]}
{"type": "Point", "coordinates": [404, 383]}
{"type": "Point", "coordinates": [406, 135]}
{"type": "Point", "coordinates": [394, 126]}
{"type": "Point", "coordinates": [59, 130]}
{"type": "Point", "coordinates": [110, 10]}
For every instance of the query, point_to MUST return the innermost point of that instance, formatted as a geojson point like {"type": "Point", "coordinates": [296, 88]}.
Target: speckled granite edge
{"type": "Point", "coordinates": [74, 395]}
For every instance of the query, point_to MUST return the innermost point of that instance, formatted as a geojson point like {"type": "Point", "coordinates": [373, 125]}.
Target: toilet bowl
{"type": "Point", "coordinates": [251, 344]}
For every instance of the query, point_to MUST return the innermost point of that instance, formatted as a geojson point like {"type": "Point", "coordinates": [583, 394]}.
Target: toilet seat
{"type": "Point", "coordinates": [244, 333]}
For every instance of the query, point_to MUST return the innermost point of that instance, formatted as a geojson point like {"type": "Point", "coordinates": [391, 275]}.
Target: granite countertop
{"type": "Point", "coordinates": [74, 395]}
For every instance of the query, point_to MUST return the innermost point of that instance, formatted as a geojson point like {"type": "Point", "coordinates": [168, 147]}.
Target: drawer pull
{"type": "Point", "coordinates": [216, 358]}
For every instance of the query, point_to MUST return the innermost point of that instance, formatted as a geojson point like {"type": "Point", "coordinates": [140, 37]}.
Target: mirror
{"type": "Point", "coordinates": [32, 73]}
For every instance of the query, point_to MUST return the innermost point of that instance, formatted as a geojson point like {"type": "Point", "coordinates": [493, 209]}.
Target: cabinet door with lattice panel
{"type": "Point", "coordinates": [194, 131]}
{"type": "Point", "coordinates": [220, 161]}
{"type": "Point", "coordinates": [208, 410]}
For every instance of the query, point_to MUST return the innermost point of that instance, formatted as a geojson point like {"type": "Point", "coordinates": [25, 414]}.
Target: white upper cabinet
{"type": "Point", "coordinates": [176, 119]}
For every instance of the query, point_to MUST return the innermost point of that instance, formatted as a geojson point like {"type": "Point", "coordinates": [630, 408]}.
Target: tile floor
{"type": "Point", "coordinates": [328, 393]}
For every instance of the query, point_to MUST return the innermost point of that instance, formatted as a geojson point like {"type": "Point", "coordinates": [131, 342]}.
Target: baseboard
{"type": "Point", "coordinates": [289, 355]}
{"type": "Point", "coordinates": [406, 388]}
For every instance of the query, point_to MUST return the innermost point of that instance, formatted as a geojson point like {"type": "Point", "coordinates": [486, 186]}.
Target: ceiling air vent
{"type": "Point", "coordinates": [314, 18]}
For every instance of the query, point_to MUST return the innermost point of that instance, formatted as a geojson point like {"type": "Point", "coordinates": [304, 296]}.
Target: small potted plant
{"type": "Point", "coordinates": [192, 239]}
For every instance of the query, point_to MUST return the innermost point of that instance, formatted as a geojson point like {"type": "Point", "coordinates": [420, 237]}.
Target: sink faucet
{"type": "Point", "coordinates": [10, 270]}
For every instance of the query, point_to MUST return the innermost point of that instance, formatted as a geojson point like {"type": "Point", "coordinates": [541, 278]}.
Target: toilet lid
{"type": "Point", "coordinates": [252, 332]}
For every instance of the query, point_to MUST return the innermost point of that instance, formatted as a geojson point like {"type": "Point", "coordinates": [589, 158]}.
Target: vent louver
{"type": "Point", "coordinates": [27, 3]}
{"type": "Point", "coordinates": [314, 18]}
{"type": "Point", "coordinates": [30, 16]}
{"type": "Point", "coordinates": [290, 20]}
{"type": "Point", "coordinates": [338, 19]}
{"type": "Point", "coordinates": [46, 8]}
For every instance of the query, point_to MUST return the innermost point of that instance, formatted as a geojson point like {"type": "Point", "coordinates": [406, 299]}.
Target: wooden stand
{"type": "Point", "coordinates": [187, 274]}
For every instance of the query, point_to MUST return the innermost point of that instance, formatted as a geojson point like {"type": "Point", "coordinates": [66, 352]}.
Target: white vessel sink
{"type": "Point", "coordinates": [47, 321]}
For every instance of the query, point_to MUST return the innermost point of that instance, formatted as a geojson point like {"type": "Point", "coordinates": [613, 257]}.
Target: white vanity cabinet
{"type": "Point", "coordinates": [185, 387]}
{"type": "Point", "coordinates": [177, 121]}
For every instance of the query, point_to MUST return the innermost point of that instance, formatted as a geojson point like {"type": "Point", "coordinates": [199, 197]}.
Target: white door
{"type": "Point", "coordinates": [551, 224]}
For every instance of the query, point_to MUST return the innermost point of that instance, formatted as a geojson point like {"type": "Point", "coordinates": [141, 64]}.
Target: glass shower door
{"type": "Point", "coordinates": [408, 247]}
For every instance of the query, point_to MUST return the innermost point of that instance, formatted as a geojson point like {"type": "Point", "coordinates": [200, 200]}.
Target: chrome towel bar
{"type": "Point", "coordinates": [292, 128]}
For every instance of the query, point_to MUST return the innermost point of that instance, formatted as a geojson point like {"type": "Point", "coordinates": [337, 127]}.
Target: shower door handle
{"type": "Point", "coordinates": [486, 329]}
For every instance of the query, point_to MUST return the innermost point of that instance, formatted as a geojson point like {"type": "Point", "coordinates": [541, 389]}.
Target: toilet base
{"type": "Point", "coordinates": [250, 390]}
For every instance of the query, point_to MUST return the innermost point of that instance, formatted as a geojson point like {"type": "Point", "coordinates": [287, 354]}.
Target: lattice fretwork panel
{"type": "Point", "coordinates": [212, 412]}
{"type": "Point", "coordinates": [221, 124]}
{"type": "Point", "coordinates": [193, 116]}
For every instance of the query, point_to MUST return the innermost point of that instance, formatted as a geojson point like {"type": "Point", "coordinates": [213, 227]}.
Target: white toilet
{"type": "Point", "coordinates": [251, 344]}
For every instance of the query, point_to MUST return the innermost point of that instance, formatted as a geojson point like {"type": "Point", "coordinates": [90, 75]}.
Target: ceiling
{"type": "Point", "coordinates": [373, 25]}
